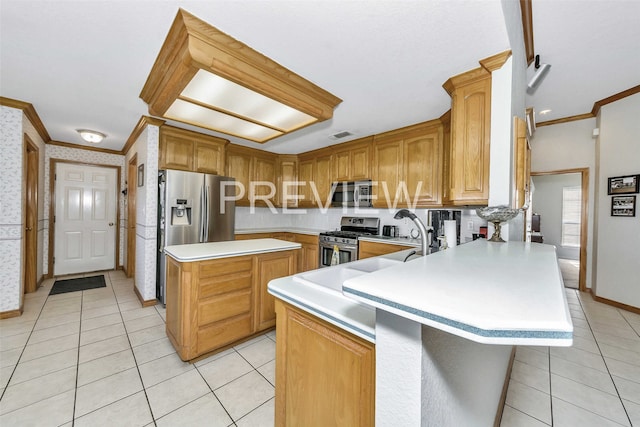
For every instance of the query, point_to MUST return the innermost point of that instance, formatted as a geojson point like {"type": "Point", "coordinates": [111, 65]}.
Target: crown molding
{"type": "Point", "coordinates": [29, 111]}
{"type": "Point", "coordinates": [527, 29]}
{"type": "Point", "coordinates": [596, 108]}
{"type": "Point", "coordinates": [138, 129]}
{"type": "Point", "coordinates": [496, 61]}
{"type": "Point", "coordinates": [84, 147]}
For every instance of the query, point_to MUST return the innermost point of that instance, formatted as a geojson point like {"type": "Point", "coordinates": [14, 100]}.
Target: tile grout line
{"type": "Point", "coordinates": [144, 389]}
{"type": "Point", "coordinates": [606, 364]}
{"type": "Point", "coordinates": [4, 391]}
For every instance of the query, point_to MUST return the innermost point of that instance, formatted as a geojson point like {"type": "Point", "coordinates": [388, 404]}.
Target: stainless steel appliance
{"type": "Point", "coordinates": [390, 230]}
{"type": "Point", "coordinates": [346, 239]}
{"type": "Point", "coordinates": [192, 210]}
{"type": "Point", "coordinates": [351, 194]}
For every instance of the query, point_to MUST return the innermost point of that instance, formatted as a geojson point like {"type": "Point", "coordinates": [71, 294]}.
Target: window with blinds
{"type": "Point", "coordinates": [571, 213]}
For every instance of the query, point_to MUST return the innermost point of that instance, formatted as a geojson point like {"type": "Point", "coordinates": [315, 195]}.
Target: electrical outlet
{"type": "Point", "coordinates": [470, 225]}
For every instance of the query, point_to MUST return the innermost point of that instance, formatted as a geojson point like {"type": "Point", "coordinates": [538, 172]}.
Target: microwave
{"type": "Point", "coordinates": [351, 194]}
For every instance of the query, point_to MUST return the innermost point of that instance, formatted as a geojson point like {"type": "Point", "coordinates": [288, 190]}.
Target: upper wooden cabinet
{"type": "Point", "coordinates": [407, 166]}
{"type": "Point", "coordinates": [315, 175]}
{"type": "Point", "coordinates": [353, 161]}
{"type": "Point", "coordinates": [255, 170]}
{"type": "Point", "coordinates": [287, 175]}
{"type": "Point", "coordinates": [470, 137]}
{"type": "Point", "coordinates": [522, 156]}
{"type": "Point", "coordinates": [191, 151]}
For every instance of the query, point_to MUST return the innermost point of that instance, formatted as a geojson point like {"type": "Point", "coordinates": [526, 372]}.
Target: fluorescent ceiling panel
{"type": "Point", "coordinates": [210, 89]}
{"type": "Point", "coordinates": [200, 116]}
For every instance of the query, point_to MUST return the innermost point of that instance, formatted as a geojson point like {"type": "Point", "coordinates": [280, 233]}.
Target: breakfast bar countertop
{"type": "Point", "coordinates": [493, 293]}
{"type": "Point", "coordinates": [226, 249]}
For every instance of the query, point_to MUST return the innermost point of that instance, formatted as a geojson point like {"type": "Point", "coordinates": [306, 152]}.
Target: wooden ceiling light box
{"type": "Point", "coordinates": [206, 78]}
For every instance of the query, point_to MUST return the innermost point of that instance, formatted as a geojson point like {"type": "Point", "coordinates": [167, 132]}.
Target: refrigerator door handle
{"type": "Point", "coordinates": [207, 214]}
{"type": "Point", "coordinates": [202, 214]}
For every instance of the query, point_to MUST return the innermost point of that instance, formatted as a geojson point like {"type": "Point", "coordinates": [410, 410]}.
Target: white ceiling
{"type": "Point", "coordinates": [82, 64]}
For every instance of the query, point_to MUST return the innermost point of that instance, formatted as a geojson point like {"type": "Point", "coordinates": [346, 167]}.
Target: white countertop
{"type": "Point", "coordinates": [279, 230]}
{"type": "Point", "coordinates": [404, 241]}
{"type": "Point", "coordinates": [214, 250]}
{"type": "Point", "coordinates": [494, 293]}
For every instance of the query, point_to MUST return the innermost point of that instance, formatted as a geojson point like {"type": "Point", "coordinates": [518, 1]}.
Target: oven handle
{"type": "Point", "coordinates": [340, 246]}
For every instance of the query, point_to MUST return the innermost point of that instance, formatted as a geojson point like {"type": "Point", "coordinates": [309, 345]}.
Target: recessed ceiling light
{"type": "Point", "coordinates": [543, 112]}
{"type": "Point", "coordinates": [92, 136]}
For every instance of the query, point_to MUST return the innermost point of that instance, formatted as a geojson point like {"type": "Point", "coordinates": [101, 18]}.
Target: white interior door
{"type": "Point", "coordinates": [85, 218]}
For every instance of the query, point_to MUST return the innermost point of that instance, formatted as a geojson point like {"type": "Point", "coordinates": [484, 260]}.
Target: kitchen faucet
{"type": "Point", "coordinates": [405, 213]}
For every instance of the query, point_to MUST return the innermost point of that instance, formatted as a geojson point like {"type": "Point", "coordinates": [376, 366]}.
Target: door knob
{"type": "Point", "coordinates": [110, 224]}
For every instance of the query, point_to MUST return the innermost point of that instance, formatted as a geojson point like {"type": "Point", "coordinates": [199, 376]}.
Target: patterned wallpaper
{"type": "Point", "coordinates": [10, 208]}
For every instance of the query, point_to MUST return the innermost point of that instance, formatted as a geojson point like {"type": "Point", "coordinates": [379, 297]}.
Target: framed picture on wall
{"type": "Point", "coordinates": [623, 206]}
{"type": "Point", "coordinates": [629, 184]}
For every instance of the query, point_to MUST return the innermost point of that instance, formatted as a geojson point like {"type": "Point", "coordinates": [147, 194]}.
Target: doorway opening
{"type": "Point", "coordinates": [30, 256]}
{"type": "Point", "coordinates": [83, 217]}
{"type": "Point", "coordinates": [559, 207]}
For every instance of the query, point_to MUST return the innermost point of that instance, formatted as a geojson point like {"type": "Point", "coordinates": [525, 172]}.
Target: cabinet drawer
{"type": "Point", "coordinates": [217, 268]}
{"type": "Point", "coordinates": [224, 306]}
{"type": "Point", "coordinates": [227, 283]}
{"type": "Point", "coordinates": [306, 238]}
{"type": "Point", "coordinates": [222, 333]}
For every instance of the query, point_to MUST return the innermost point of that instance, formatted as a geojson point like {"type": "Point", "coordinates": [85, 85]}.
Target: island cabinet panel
{"type": "Point", "coordinates": [269, 267]}
{"type": "Point", "coordinates": [324, 375]}
{"type": "Point", "coordinates": [191, 151]}
{"type": "Point", "coordinates": [214, 303]}
{"type": "Point", "coordinates": [368, 249]}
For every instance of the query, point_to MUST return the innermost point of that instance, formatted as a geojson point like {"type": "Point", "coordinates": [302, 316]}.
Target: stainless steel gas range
{"type": "Point", "coordinates": [346, 239]}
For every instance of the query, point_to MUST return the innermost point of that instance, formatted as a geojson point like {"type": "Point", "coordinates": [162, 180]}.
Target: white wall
{"type": "Point", "coordinates": [547, 202]}
{"type": "Point", "coordinates": [146, 148]}
{"type": "Point", "coordinates": [617, 274]}
{"type": "Point", "coordinates": [569, 146]}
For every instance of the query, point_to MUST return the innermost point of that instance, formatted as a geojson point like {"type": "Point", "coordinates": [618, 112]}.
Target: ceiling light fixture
{"type": "Point", "coordinates": [92, 136]}
{"type": "Point", "coordinates": [541, 71]}
{"type": "Point", "coordinates": [206, 78]}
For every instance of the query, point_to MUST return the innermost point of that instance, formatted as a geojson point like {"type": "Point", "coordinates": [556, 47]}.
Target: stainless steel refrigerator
{"type": "Point", "coordinates": [191, 210]}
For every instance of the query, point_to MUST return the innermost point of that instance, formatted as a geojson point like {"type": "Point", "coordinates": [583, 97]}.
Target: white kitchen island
{"type": "Point", "coordinates": [446, 324]}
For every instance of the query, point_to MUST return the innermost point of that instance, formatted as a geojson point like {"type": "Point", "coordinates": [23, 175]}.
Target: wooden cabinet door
{"type": "Point", "coordinates": [422, 166]}
{"type": "Point", "coordinates": [470, 142]}
{"type": "Point", "coordinates": [308, 255]}
{"type": "Point", "coordinates": [263, 190]}
{"type": "Point", "coordinates": [371, 249]}
{"type": "Point", "coordinates": [269, 267]}
{"type": "Point", "coordinates": [522, 162]}
{"type": "Point", "coordinates": [324, 375]}
{"type": "Point", "coordinates": [209, 157]}
{"type": "Point", "coordinates": [288, 174]}
{"type": "Point", "coordinates": [305, 177]}
{"type": "Point", "coordinates": [361, 162]}
{"type": "Point", "coordinates": [323, 178]}
{"type": "Point", "coordinates": [387, 173]}
{"type": "Point", "coordinates": [239, 166]}
{"type": "Point", "coordinates": [175, 152]}
{"type": "Point", "coordinates": [342, 165]}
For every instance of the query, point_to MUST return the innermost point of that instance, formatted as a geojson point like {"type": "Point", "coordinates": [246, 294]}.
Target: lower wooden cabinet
{"type": "Point", "coordinates": [324, 375]}
{"type": "Point", "coordinates": [370, 249]}
{"type": "Point", "coordinates": [308, 255]}
{"type": "Point", "coordinates": [213, 303]}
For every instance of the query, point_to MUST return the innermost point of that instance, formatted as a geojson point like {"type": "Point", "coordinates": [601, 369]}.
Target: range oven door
{"type": "Point", "coordinates": [347, 253]}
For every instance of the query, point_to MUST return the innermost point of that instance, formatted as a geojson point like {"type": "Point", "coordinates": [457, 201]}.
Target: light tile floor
{"type": "Point", "coordinates": [594, 383]}
{"type": "Point", "coordinates": [97, 358]}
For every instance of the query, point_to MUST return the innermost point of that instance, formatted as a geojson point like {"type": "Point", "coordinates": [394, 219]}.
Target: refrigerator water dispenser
{"type": "Point", "coordinates": [181, 214]}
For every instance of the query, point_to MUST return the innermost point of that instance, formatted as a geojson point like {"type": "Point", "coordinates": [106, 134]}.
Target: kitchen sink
{"type": "Point", "coordinates": [332, 278]}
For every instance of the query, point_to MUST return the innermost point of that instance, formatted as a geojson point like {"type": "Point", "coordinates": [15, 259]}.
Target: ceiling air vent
{"type": "Point", "coordinates": [340, 135]}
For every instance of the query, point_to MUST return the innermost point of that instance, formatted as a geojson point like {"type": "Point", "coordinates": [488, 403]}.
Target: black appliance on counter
{"type": "Point", "coordinates": [436, 218]}
{"type": "Point", "coordinates": [346, 239]}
